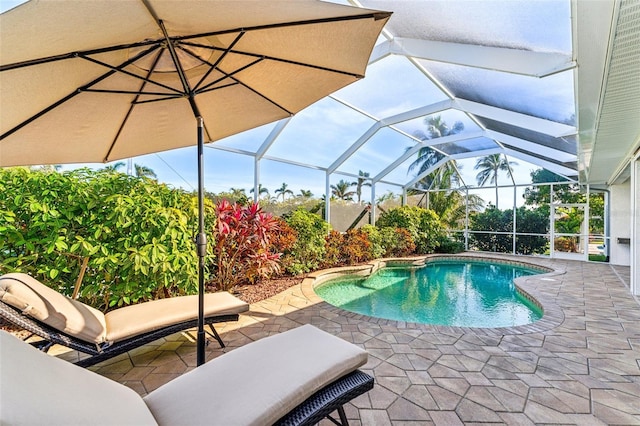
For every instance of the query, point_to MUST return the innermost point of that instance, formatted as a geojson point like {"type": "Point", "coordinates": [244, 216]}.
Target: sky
{"type": "Point", "coordinates": [323, 131]}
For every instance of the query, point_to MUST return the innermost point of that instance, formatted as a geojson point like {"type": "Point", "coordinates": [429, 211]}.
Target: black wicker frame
{"type": "Point", "coordinates": [329, 399]}
{"type": "Point", "coordinates": [103, 352]}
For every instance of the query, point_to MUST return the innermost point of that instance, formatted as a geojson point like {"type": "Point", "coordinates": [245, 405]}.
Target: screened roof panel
{"type": "Point", "coordinates": [468, 145]}
{"type": "Point", "coordinates": [401, 173]}
{"type": "Point", "coordinates": [382, 94]}
{"type": "Point", "coordinates": [551, 98]}
{"type": "Point", "coordinates": [565, 144]}
{"type": "Point", "coordinates": [249, 140]}
{"type": "Point", "coordinates": [381, 149]}
{"type": "Point", "coordinates": [529, 25]}
{"type": "Point", "coordinates": [320, 133]}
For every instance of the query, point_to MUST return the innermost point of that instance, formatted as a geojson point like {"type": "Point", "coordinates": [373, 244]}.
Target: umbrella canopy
{"type": "Point", "coordinates": [96, 81]}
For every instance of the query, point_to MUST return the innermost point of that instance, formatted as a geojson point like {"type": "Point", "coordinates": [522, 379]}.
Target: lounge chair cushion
{"type": "Point", "coordinates": [40, 389]}
{"type": "Point", "coordinates": [52, 308]}
{"type": "Point", "coordinates": [90, 325]}
{"type": "Point", "coordinates": [261, 388]}
{"type": "Point", "coordinates": [144, 317]}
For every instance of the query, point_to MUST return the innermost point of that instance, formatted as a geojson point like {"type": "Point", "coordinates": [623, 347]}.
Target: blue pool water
{"type": "Point", "coordinates": [456, 293]}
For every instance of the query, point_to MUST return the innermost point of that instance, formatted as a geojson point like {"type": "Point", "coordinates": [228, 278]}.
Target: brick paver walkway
{"type": "Point", "coordinates": [579, 365]}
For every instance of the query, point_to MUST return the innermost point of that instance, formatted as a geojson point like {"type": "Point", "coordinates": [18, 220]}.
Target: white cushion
{"type": "Point", "coordinates": [137, 319]}
{"type": "Point", "coordinates": [38, 389]}
{"type": "Point", "coordinates": [257, 383]}
{"type": "Point", "coordinates": [52, 308]}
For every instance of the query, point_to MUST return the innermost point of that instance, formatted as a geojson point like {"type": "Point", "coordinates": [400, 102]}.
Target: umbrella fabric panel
{"type": "Point", "coordinates": [49, 27]}
{"type": "Point", "coordinates": [115, 104]}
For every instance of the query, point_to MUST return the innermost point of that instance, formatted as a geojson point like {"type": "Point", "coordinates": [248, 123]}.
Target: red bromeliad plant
{"type": "Point", "coordinates": [242, 245]}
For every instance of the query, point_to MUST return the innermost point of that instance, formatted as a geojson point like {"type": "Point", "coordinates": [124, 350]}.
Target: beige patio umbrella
{"type": "Point", "coordinates": [96, 81]}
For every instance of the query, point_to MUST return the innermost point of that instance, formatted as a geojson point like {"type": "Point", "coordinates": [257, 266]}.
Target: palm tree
{"type": "Point", "coordinates": [237, 192]}
{"type": "Point", "coordinates": [489, 167]}
{"type": "Point", "coordinates": [261, 191]}
{"type": "Point", "coordinates": [451, 205]}
{"type": "Point", "coordinates": [140, 170]}
{"type": "Point", "coordinates": [436, 128]}
{"type": "Point", "coordinates": [362, 181]}
{"type": "Point", "coordinates": [388, 196]}
{"type": "Point", "coordinates": [114, 167]}
{"type": "Point", "coordinates": [305, 193]}
{"type": "Point", "coordinates": [283, 190]}
{"type": "Point", "coordinates": [145, 172]}
{"type": "Point", "coordinates": [341, 190]}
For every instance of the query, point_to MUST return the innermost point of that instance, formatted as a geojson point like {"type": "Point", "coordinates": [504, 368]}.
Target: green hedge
{"type": "Point", "coordinates": [136, 234]}
{"type": "Point", "coordinates": [423, 225]}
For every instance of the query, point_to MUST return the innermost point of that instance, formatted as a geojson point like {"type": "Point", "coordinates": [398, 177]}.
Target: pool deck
{"type": "Point", "coordinates": [579, 365]}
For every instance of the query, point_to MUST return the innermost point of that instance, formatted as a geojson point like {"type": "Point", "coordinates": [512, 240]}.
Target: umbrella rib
{"type": "Point", "coordinates": [71, 55]}
{"type": "Point", "coordinates": [214, 65]}
{"type": "Point", "coordinates": [375, 16]}
{"type": "Point", "coordinates": [133, 92]}
{"type": "Point", "coordinates": [122, 71]}
{"type": "Point", "coordinates": [274, 58]}
{"type": "Point", "coordinates": [148, 101]}
{"type": "Point", "coordinates": [133, 103]}
{"type": "Point", "coordinates": [208, 87]}
{"type": "Point", "coordinates": [73, 94]}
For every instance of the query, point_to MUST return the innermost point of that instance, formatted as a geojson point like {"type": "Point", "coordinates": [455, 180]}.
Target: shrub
{"type": "Point", "coordinates": [375, 238]}
{"type": "Point", "coordinates": [283, 241]}
{"type": "Point", "coordinates": [309, 250]}
{"type": "Point", "coordinates": [350, 248]}
{"type": "Point", "coordinates": [242, 245]}
{"type": "Point", "coordinates": [136, 234]}
{"type": "Point", "coordinates": [448, 245]}
{"type": "Point", "coordinates": [423, 225]}
{"type": "Point", "coordinates": [495, 220]}
{"type": "Point", "coordinates": [333, 250]}
{"type": "Point", "coordinates": [397, 242]}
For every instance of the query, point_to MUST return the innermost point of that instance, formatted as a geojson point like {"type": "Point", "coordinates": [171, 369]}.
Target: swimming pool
{"type": "Point", "coordinates": [464, 293]}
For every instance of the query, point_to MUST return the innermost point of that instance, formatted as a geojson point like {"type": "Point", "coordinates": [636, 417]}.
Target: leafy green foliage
{"type": "Point", "coordinates": [242, 245]}
{"type": "Point", "coordinates": [397, 242]}
{"type": "Point", "coordinates": [532, 221]}
{"type": "Point", "coordinates": [375, 238]}
{"type": "Point", "coordinates": [389, 241]}
{"type": "Point", "coordinates": [449, 244]}
{"type": "Point", "coordinates": [423, 225]}
{"type": "Point", "coordinates": [309, 250]}
{"type": "Point", "coordinates": [137, 234]}
{"type": "Point", "coordinates": [492, 220]}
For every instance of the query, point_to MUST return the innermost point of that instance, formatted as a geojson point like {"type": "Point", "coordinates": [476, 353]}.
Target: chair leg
{"type": "Point", "coordinates": [215, 335]}
{"type": "Point", "coordinates": [343, 417]}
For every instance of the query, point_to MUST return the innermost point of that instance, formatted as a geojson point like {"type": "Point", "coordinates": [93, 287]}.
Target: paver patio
{"type": "Point", "coordinates": [579, 365]}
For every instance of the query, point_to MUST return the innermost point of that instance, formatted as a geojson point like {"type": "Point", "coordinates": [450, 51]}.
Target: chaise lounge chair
{"type": "Point", "coordinates": [31, 305]}
{"type": "Point", "coordinates": [294, 378]}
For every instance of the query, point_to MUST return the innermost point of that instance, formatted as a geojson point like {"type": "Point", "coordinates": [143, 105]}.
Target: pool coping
{"type": "Point", "coordinates": [529, 286]}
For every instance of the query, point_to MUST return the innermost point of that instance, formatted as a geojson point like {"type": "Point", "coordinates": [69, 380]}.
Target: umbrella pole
{"type": "Point", "coordinates": [201, 244]}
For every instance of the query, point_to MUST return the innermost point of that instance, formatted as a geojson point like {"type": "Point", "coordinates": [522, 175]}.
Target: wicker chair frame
{"type": "Point", "coordinates": [332, 397]}
{"type": "Point", "coordinates": [102, 352]}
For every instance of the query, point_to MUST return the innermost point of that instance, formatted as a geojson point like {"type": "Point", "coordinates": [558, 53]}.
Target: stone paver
{"type": "Point", "coordinates": [580, 364]}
